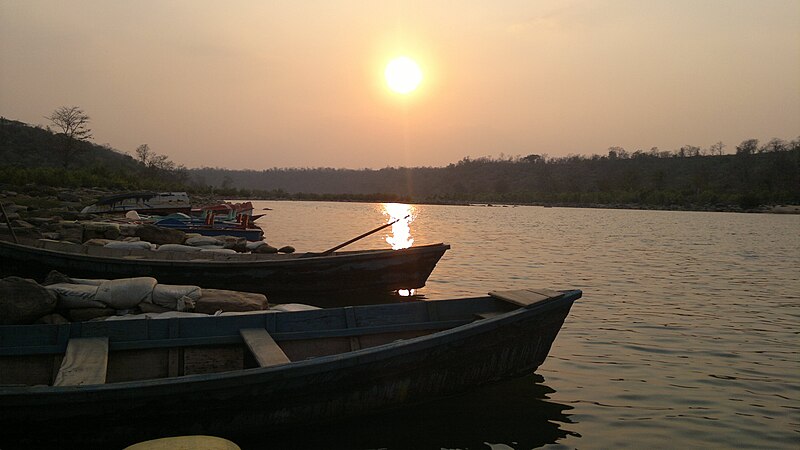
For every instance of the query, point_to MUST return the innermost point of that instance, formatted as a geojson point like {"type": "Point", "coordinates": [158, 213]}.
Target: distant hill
{"type": "Point", "coordinates": [764, 175]}
{"type": "Point", "coordinates": [23, 145]}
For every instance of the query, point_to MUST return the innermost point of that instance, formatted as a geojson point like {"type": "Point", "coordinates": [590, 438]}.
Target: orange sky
{"type": "Point", "coordinates": [245, 84]}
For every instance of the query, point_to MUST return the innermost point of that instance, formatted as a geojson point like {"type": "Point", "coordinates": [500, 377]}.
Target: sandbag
{"type": "Point", "coordinates": [289, 307]}
{"type": "Point", "coordinates": [75, 296]}
{"type": "Point", "coordinates": [202, 241]}
{"type": "Point", "coordinates": [227, 251]}
{"type": "Point", "coordinates": [214, 300]}
{"type": "Point", "coordinates": [164, 315]}
{"type": "Point", "coordinates": [176, 297]}
{"type": "Point", "coordinates": [250, 246]}
{"type": "Point", "coordinates": [87, 314]}
{"type": "Point", "coordinates": [177, 248]}
{"type": "Point", "coordinates": [91, 282]}
{"type": "Point", "coordinates": [130, 245]}
{"type": "Point", "coordinates": [152, 308]}
{"type": "Point", "coordinates": [125, 293]}
{"type": "Point", "coordinates": [98, 242]}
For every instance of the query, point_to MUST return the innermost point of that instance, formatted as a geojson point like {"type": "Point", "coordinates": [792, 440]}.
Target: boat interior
{"type": "Point", "coordinates": [104, 352]}
{"type": "Point", "coordinates": [144, 254]}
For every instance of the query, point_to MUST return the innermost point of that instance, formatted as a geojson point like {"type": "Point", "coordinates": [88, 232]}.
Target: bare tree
{"type": "Point", "coordinates": [774, 145]}
{"type": "Point", "coordinates": [747, 147]}
{"type": "Point", "coordinates": [143, 154]}
{"type": "Point", "coordinates": [74, 126]}
{"type": "Point", "coordinates": [717, 149]}
{"type": "Point", "coordinates": [161, 162]}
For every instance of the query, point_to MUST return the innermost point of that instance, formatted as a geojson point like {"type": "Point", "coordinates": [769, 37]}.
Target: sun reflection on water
{"type": "Point", "coordinates": [400, 236]}
{"type": "Point", "coordinates": [401, 230]}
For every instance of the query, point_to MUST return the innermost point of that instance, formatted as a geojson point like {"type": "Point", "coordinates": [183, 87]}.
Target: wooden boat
{"type": "Point", "coordinates": [282, 277]}
{"type": "Point", "coordinates": [233, 375]}
{"type": "Point", "coordinates": [144, 202]}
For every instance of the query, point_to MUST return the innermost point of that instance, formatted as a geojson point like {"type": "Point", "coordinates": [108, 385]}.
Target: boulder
{"type": "Point", "coordinates": [21, 224]}
{"type": "Point", "coordinates": [266, 248]}
{"type": "Point", "coordinates": [127, 229]}
{"type": "Point", "coordinates": [160, 235]}
{"type": "Point", "coordinates": [68, 197]}
{"type": "Point", "coordinates": [214, 300]}
{"type": "Point", "coordinates": [23, 301]}
{"type": "Point", "coordinates": [71, 232]}
{"type": "Point", "coordinates": [100, 230]}
{"type": "Point", "coordinates": [286, 249]}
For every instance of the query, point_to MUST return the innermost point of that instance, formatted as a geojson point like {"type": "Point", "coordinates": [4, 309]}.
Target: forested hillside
{"type": "Point", "coordinates": [36, 155]}
{"type": "Point", "coordinates": [690, 178]}
{"type": "Point", "coordinates": [754, 175]}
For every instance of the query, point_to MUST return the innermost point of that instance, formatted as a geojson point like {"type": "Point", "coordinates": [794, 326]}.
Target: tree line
{"type": "Point", "coordinates": [691, 177]}
{"type": "Point", "coordinates": [687, 178]}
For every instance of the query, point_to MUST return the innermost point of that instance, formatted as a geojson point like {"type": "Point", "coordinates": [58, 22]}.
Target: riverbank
{"type": "Point", "coordinates": [34, 201]}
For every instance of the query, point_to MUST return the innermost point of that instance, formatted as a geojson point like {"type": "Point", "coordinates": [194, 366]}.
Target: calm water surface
{"type": "Point", "coordinates": [686, 337]}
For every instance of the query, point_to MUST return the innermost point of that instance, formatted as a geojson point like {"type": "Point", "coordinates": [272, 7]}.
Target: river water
{"type": "Point", "coordinates": [686, 335]}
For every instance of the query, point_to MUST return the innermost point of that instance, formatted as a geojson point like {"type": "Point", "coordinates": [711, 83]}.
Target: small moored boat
{"type": "Point", "coordinates": [282, 277]}
{"type": "Point", "coordinates": [103, 382]}
{"type": "Point", "coordinates": [144, 202]}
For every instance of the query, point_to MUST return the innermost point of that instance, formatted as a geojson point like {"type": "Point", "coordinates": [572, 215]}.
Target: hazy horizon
{"type": "Point", "coordinates": [246, 85]}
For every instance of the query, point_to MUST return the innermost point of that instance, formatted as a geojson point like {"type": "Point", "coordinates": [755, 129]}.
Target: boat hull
{"type": "Point", "coordinates": [232, 404]}
{"type": "Point", "coordinates": [281, 278]}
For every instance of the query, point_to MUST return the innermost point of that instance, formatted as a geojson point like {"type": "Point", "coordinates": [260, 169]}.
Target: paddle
{"type": "Point", "coordinates": [331, 250]}
{"type": "Point", "coordinates": [8, 222]}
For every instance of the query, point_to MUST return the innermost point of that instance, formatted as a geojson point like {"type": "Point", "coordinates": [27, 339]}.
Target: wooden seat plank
{"type": "Point", "coordinates": [525, 297]}
{"type": "Point", "coordinates": [85, 362]}
{"type": "Point", "coordinates": [264, 348]}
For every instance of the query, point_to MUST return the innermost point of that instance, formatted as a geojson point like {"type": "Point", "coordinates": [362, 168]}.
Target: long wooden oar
{"type": "Point", "coordinates": [8, 222]}
{"type": "Point", "coordinates": [331, 250]}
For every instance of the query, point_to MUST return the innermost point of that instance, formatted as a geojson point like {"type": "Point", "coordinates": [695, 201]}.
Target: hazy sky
{"type": "Point", "coordinates": [257, 84]}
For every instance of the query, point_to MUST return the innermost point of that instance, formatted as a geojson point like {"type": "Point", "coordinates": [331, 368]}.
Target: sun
{"type": "Point", "coordinates": [403, 75]}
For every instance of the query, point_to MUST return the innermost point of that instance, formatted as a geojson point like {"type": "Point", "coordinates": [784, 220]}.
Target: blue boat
{"type": "Point", "coordinates": [216, 228]}
{"type": "Point", "coordinates": [118, 382]}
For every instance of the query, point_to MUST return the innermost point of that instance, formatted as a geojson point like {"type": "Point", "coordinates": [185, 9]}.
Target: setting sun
{"type": "Point", "coordinates": [403, 75]}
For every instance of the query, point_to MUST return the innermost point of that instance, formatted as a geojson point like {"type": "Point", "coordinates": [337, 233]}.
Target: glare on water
{"type": "Point", "coordinates": [401, 230]}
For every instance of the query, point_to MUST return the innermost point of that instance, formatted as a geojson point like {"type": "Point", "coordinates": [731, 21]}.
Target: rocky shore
{"type": "Point", "coordinates": [55, 214]}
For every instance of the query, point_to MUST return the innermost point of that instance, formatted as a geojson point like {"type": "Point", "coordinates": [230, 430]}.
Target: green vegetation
{"type": "Point", "coordinates": [687, 178]}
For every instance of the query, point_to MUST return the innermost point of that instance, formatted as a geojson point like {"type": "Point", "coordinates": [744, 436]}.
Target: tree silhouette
{"type": "Point", "coordinates": [74, 126]}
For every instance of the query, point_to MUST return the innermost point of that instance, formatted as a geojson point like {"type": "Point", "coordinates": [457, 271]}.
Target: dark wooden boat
{"type": "Point", "coordinates": [235, 375]}
{"type": "Point", "coordinates": [281, 277]}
